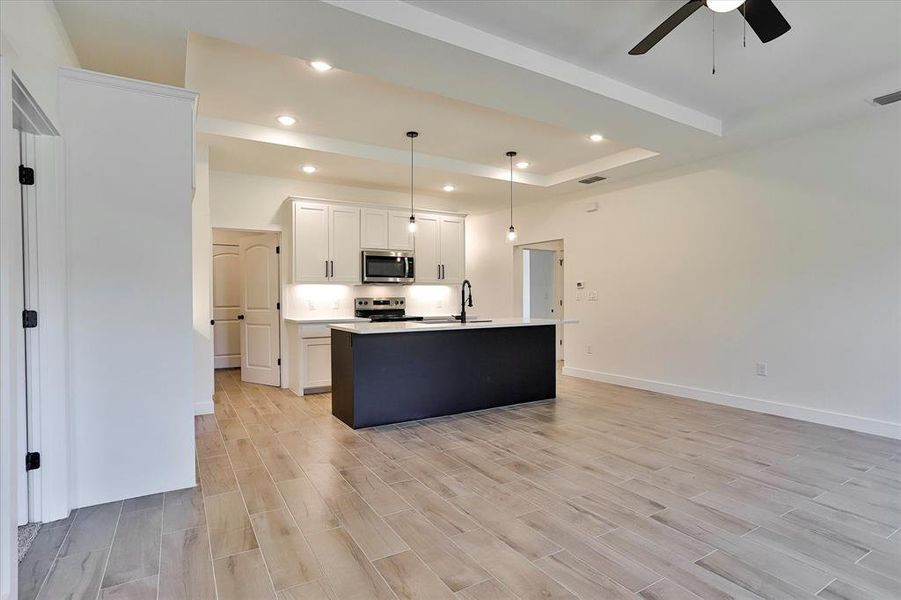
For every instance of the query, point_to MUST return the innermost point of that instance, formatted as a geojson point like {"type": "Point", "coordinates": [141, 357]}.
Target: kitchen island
{"type": "Point", "coordinates": [393, 372]}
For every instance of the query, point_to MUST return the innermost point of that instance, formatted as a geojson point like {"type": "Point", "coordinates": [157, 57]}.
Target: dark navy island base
{"type": "Point", "coordinates": [381, 378]}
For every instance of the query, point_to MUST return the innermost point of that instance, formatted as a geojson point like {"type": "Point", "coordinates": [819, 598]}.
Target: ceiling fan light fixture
{"type": "Point", "coordinates": [722, 6]}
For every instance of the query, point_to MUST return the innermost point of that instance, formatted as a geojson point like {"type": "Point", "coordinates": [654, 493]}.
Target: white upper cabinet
{"type": "Point", "coordinates": [399, 236]}
{"type": "Point", "coordinates": [452, 249]}
{"type": "Point", "coordinates": [328, 239]}
{"type": "Point", "coordinates": [311, 246]}
{"type": "Point", "coordinates": [374, 228]}
{"type": "Point", "coordinates": [344, 244]}
{"type": "Point", "coordinates": [326, 243]}
{"type": "Point", "coordinates": [428, 256]}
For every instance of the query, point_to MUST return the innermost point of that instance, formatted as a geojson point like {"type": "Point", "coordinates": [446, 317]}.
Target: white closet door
{"type": "Point", "coordinates": [259, 305]}
{"type": "Point", "coordinates": [311, 243]}
{"type": "Point", "coordinates": [226, 306]}
{"type": "Point", "coordinates": [453, 249]}
{"type": "Point", "coordinates": [344, 244]}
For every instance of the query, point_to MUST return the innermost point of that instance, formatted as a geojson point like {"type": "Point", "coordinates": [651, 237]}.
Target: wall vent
{"type": "Point", "coordinates": [592, 179]}
{"type": "Point", "coordinates": [888, 98]}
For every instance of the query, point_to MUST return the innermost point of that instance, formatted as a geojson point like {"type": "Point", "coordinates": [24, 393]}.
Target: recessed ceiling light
{"type": "Point", "coordinates": [286, 120]}
{"type": "Point", "coordinates": [523, 164]}
{"type": "Point", "coordinates": [308, 169]}
{"type": "Point", "coordinates": [321, 66]}
{"type": "Point", "coordinates": [595, 137]}
{"type": "Point", "coordinates": [448, 188]}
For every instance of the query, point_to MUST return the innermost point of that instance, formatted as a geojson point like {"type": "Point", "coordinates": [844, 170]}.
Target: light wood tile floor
{"type": "Point", "coordinates": [607, 492]}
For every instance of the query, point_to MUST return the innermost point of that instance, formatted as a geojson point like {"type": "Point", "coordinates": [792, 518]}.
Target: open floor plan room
{"type": "Point", "coordinates": [603, 493]}
{"type": "Point", "coordinates": [444, 299]}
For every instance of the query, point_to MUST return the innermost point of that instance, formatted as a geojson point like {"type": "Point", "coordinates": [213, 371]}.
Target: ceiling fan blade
{"type": "Point", "coordinates": [664, 28]}
{"type": "Point", "coordinates": [765, 19]}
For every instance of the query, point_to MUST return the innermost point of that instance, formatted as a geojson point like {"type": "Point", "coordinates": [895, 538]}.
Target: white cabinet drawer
{"type": "Point", "coordinates": [315, 331]}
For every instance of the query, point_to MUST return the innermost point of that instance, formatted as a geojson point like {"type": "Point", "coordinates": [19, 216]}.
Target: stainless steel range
{"type": "Point", "coordinates": [381, 310]}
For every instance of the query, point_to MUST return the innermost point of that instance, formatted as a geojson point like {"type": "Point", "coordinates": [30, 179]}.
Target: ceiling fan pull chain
{"type": "Point", "coordinates": [744, 25]}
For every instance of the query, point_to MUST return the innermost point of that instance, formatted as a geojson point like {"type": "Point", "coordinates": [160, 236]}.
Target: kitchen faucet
{"type": "Point", "coordinates": [464, 301]}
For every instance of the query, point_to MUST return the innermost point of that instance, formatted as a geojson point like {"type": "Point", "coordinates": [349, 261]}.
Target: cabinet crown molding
{"type": "Point", "coordinates": [373, 205]}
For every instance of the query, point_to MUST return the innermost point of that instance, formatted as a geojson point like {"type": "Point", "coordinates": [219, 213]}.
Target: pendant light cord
{"type": "Point", "coordinates": [713, 42]}
{"type": "Point", "coordinates": [411, 175]}
{"type": "Point", "coordinates": [511, 190]}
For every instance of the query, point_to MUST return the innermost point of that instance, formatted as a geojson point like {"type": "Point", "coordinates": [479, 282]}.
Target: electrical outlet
{"type": "Point", "coordinates": [588, 349]}
{"type": "Point", "coordinates": [310, 305]}
{"type": "Point", "coordinates": [593, 296]}
{"type": "Point", "coordinates": [336, 304]}
{"type": "Point", "coordinates": [439, 304]}
{"type": "Point", "coordinates": [761, 369]}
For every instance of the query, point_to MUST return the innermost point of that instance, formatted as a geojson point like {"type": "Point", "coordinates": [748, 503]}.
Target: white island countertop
{"type": "Point", "coordinates": [413, 326]}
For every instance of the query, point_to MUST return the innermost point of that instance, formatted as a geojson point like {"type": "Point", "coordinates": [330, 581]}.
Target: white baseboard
{"type": "Point", "coordinates": [203, 408]}
{"type": "Point", "coordinates": [792, 411]}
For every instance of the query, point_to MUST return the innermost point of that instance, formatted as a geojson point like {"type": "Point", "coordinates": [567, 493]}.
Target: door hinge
{"type": "Point", "coordinates": [29, 319]}
{"type": "Point", "coordinates": [278, 249]}
{"type": "Point", "coordinates": [26, 175]}
{"type": "Point", "coordinates": [279, 362]}
{"type": "Point", "coordinates": [32, 461]}
{"type": "Point", "coordinates": [278, 306]}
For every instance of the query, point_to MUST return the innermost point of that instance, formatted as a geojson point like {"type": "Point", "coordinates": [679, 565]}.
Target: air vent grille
{"type": "Point", "coordinates": [888, 98]}
{"type": "Point", "coordinates": [592, 179]}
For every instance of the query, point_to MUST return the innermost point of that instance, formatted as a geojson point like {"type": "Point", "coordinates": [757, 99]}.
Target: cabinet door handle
{"type": "Point", "coordinates": [326, 268]}
{"type": "Point", "coordinates": [333, 267]}
{"type": "Point", "coordinates": [439, 271]}
{"type": "Point", "coordinates": [443, 272]}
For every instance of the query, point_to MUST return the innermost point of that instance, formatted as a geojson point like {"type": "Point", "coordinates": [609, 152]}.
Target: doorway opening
{"type": "Point", "coordinates": [246, 304]}
{"type": "Point", "coordinates": [539, 283]}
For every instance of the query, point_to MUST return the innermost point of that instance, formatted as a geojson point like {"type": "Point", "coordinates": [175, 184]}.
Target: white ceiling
{"type": "Point", "coordinates": [253, 86]}
{"type": "Point", "coordinates": [829, 43]}
{"type": "Point", "coordinates": [477, 78]}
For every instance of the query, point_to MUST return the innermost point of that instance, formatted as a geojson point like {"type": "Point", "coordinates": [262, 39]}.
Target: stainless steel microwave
{"type": "Point", "coordinates": [387, 266]}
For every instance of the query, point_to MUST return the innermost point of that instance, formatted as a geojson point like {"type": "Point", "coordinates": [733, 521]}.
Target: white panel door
{"type": "Point", "coordinates": [427, 264]}
{"type": "Point", "coordinates": [452, 249]}
{"type": "Point", "coordinates": [374, 228]}
{"type": "Point", "coordinates": [259, 306]}
{"type": "Point", "coordinates": [226, 306]}
{"type": "Point", "coordinates": [344, 244]}
{"type": "Point", "coordinates": [311, 243]}
{"type": "Point", "coordinates": [399, 236]}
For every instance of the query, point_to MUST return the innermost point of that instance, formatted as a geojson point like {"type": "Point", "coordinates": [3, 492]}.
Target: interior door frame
{"type": "Point", "coordinates": [237, 232]}
{"type": "Point", "coordinates": [558, 246]}
{"type": "Point", "coordinates": [47, 420]}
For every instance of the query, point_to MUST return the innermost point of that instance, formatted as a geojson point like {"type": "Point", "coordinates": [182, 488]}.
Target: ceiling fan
{"type": "Point", "coordinates": [762, 15]}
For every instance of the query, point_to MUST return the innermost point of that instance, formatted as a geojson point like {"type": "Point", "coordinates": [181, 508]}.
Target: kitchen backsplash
{"type": "Point", "coordinates": [324, 301]}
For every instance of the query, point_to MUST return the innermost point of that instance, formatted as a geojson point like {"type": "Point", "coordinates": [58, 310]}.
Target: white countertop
{"type": "Point", "coordinates": [412, 326]}
{"type": "Point", "coordinates": [326, 321]}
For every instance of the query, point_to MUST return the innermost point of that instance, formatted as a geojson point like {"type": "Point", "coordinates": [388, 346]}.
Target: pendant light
{"type": "Point", "coordinates": [511, 233]}
{"type": "Point", "coordinates": [412, 226]}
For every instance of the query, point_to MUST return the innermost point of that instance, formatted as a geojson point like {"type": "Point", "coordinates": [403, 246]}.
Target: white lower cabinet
{"type": "Point", "coordinates": [317, 362]}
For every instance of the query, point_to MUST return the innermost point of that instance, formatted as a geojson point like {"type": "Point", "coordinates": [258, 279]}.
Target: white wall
{"type": "Point", "coordinates": [131, 356]}
{"type": "Point", "coordinates": [202, 253]}
{"type": "Point", "coordinates": [788, 254]}
{"type": "Point", "coordinates": [541, 283]}
{"type": "Point", "coordinates": [34, 41]}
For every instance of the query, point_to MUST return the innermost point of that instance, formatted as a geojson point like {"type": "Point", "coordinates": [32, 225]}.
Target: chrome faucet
{"type": "Point", "coordinates": [464, 300]}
